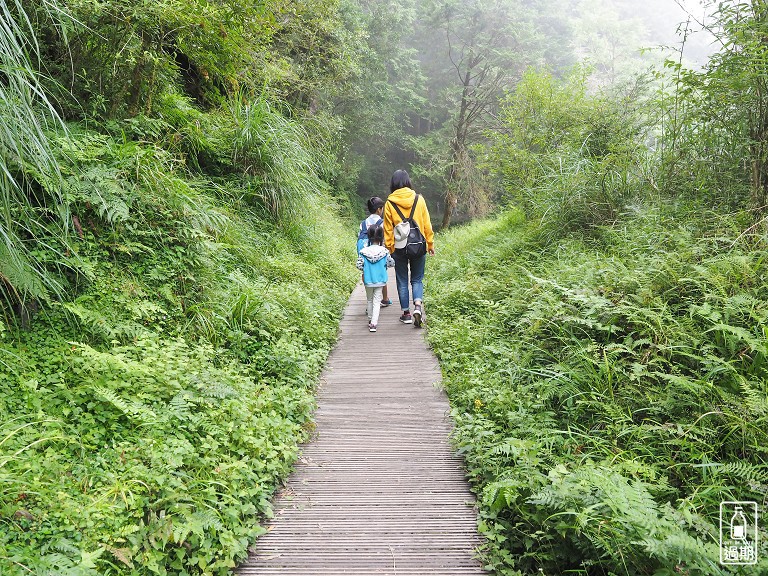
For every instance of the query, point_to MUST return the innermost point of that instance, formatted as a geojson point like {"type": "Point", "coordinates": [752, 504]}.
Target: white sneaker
{"type": "Point", "coordinates": [371, 327]}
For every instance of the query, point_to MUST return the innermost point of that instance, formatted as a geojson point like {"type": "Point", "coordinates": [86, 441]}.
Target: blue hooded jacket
{"type": "Point", "coordinates": [374, 261]}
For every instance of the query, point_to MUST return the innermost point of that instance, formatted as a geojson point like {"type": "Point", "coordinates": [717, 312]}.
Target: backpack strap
{"type": "Point", "coordinates": [399, 213]}
{"type": "Point", "coordinates": [413, 208]}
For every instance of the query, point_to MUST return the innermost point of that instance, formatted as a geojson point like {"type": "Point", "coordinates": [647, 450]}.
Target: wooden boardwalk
{"type": "Point", "coordinates": [378, 491]}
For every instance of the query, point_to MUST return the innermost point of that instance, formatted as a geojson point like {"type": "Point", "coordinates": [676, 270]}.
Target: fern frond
{"type": "Point", "coordinates": [98, 326]}
{"type": "Point", "coordinates": [133, 409]}
{"type": "Point", "coordinates": [746, 471]}
{"type": "Point", "coordinates": [196, 523]}
{"type": "Point", "coordinates": [756, 401]}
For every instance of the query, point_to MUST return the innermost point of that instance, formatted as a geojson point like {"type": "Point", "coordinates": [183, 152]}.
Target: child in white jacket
{"type": "Point", "coordinates": [374, 260]}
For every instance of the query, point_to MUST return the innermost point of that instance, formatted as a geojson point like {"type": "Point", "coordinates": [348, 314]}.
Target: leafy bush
{"type": "Point", "coordinates": [715, 127]}
{"type": "Point", "coordinates": [569, 157]}
{"type": "Point", "coordinates": [162, 459]}
{"type": "Point", "coordinates": [608, 394]}
{"type": "Point", "coordinates": [148, 416]}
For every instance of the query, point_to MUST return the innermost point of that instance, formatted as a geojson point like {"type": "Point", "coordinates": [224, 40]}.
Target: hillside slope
{"type": "Point", "coordinates": [147, 415]}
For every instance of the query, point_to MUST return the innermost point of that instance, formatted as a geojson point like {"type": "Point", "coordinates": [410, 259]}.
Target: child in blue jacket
{"type": "Point", "coordinates": [375, 208]}
{"type": "Point", "coordinates": [374, 260]}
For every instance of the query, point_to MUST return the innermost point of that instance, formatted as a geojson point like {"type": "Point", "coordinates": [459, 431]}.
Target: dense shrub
{"type": "Point", "coordinates": [567, 155]}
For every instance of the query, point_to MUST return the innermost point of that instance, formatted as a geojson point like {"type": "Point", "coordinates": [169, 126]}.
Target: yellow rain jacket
{"type": "Point", "coordinates": [404, 198]}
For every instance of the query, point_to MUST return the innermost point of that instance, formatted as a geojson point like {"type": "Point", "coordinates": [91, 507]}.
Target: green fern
{"type": "Point", "coordinates": [746, 471]}
{"type": "Point", "coordinates": [133, 409]}
{"type": "Point", "coordinates": [756, 400]}
{"type": "Point", "coordinates": [99, 186]}
{"type": "Point", "coordinates": [616, 515]}
{"type": "Point", "coordinates": [92, 320]}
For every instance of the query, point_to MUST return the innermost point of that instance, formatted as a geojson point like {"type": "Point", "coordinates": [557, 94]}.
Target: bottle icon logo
{"type": "Point", "coordinates": [738, 525]}
{"type": "Point", "coordinates": [738, 533]}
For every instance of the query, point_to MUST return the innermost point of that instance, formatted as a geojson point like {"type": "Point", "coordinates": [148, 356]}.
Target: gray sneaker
{"type": "Point", "coordinates": [418, 316]}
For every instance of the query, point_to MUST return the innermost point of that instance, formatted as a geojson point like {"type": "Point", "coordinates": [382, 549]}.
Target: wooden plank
{"type": "Point", "coordinates": [378, 490]}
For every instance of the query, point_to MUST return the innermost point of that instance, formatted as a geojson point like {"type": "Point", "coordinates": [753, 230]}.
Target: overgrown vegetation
{"type": "Point", "coordinates": [174, 265]}
{"type": "Point", "coordinates": [609, 392]}
{"type": "Point", "coordinates": [147, 419]}
{"type": "Point", "coordinates": [24, 147]}
{"type": "Point", "coordinates": [605, 342]}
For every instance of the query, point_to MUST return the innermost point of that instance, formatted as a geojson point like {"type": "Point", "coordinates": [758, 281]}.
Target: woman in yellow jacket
{"type": "Point", "coordinates": [402, 195]}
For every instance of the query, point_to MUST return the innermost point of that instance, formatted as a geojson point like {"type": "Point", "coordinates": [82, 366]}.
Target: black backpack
{"type": "Point", "coordinates": [408, 234]}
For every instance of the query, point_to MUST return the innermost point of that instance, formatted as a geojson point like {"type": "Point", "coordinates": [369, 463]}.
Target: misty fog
{"type": "Point", "coordinates": [666, 20]}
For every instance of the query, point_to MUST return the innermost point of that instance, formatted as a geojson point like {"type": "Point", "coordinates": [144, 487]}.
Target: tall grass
{"type": "Point", "coordinates": [31, 204]}
{"type": "Point", "coordinates": [276, 153]}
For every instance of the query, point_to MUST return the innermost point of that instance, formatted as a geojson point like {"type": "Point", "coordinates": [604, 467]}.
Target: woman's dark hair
{"type": "Point", "coordinates": [374, 204]}
{"type": "Point", "coordinates": [400, 179]}
{"type": "Point", "coordinates": [375, 234]}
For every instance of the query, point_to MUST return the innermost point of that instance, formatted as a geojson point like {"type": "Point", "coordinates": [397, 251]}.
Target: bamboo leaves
{"type": "Point", "coordinates": [26, 156]}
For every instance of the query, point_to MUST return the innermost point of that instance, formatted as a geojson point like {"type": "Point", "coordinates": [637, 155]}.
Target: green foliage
{"type": "Point", "coordinates": [163, 456]}
{"type": "Point", "coordinates": [608, 394]}
{"type": "Point", "coordinates": [715, 121]}
{"type": "Point", "coordinates": [387, 81]}
{"type": "Point", "coordinates": [471, 53]}
{"type": "Point", "coordinates": [277, 157]}
{"type": "Point", "coordinates": [566, 156]}
{"type": "Point", "coordinates": [322, 46]}
{"type": "Point", "coordinates": [120, 57]}
{"type": "Point", "coordinates": [30, 206]}
{"type": "Point", "coordinates": [609, 388]}
{"type": "Point", "coordinates": [612, 37]}
{"type": "Point", "coordinates": [149, 414]}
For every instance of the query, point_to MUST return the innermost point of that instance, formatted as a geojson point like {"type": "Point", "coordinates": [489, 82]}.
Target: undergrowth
{"type": "Point", "coordinates": [147, 416]}
{"type": "Point", "coordinates": [609, 391]}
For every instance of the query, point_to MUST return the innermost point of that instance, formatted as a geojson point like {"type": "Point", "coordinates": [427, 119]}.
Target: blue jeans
{"type": "Point", "coordinates": [416, 265]}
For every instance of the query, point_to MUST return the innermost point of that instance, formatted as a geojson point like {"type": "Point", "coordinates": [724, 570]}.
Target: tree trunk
{"type": "Point", "coordinates": [450, 205]}
{"type": "Point", "coordinates": [137, 80]}
{"type": "Point", "coordinates": [457, 148]}
{"type": "Point", "coordinates": [152, 84]}
{"type": "Point", "coordinates": [759, 128]}
{"type": "Point", "coordinates": [759, 180]}
{"type": "Point", "coordinates": [451, 195]}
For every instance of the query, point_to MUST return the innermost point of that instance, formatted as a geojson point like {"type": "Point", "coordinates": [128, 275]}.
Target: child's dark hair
{"type": "Point", "coordinates": [375, 234]}
{"type": "Point", "coordinates": [374, 204]}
